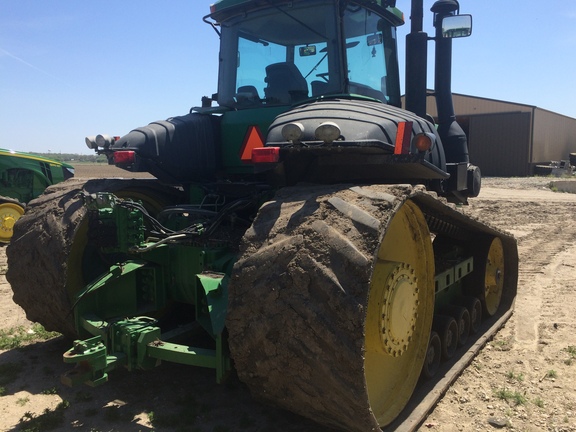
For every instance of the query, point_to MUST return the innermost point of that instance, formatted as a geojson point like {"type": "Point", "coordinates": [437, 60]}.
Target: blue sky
{"type": "Point", "coordinates": [72, 68]}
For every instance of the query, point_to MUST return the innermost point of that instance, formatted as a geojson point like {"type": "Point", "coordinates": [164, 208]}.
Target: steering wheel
{"type": "Point", "coordinates": [323, 75]}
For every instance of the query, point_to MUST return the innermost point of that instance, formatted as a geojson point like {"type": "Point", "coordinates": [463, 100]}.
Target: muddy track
{"type": "Point", "coordinates": [297, 303]}
{"type": "Point", "coordinates": [299, 298]}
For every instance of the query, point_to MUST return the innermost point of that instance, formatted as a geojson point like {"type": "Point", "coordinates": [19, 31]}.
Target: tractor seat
{"type": "Point", "coordinates": [247, 95]}
{"type": "Point", "coordinates": [285, 84]}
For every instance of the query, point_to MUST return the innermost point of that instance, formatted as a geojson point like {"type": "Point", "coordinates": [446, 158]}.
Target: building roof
{"type": "Point", "coordinates": [473, 105]}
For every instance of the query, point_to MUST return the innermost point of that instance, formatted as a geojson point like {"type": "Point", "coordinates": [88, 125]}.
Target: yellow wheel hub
{"type": "Point", "coordinates": [400, 312]}
{"type": "Point", "coordinates": [399, 308]}
{"type": "Point", "coordinates": [494, 276]}
{"type": "Point", "coordinates": [9, 214]}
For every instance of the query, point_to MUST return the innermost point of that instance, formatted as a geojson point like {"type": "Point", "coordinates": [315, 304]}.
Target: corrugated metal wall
{"type": "Point", "coordinates": [554, 136]}
{"type": "Point", "coordinates": [507, 138]}
{"type": "Point", "coordinates": [500, 143]}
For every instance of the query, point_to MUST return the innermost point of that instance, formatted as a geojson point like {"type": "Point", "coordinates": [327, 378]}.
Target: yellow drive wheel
{"type": "Point", "coordinates": [9, 214]}
{"type": "Point", "coordinates": [400, 312]}
{"type": "Point", "coordinates": [493, 276]}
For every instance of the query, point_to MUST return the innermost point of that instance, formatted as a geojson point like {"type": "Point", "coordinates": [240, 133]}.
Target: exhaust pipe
{"type": "Point", "coordinates": [451, 134]}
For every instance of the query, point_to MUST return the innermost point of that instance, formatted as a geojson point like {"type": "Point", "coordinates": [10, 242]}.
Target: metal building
{"type": "Point", "coordinates": [509, 139]}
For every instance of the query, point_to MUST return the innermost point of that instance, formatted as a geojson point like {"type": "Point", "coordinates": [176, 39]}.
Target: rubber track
{"type": "Point", "coordinates": [298, 294]}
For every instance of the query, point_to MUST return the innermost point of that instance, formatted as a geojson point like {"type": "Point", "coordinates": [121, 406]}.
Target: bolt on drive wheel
{"type": "Point", "coordinates": [9, 214]}
{"type": "Point", "coordinates": [400, 311]}
{"type": "Point", "coordinates": [331, 303]}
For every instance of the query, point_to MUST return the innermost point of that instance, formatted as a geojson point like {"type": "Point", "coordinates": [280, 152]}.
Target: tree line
{"type": "Point", "coordinates": [73, 157]}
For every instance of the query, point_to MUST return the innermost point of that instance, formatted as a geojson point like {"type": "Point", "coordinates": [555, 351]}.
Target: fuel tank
{"type": "Point", "coordinates": [179, 149]}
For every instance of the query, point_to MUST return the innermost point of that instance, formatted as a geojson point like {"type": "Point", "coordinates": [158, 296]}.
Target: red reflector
{"type": "Point", "coordinates": [124, 157]}
{"type": "Point", "coordinates": [403, 138]}
{"type": "Point", "coordinates": [265, 155]}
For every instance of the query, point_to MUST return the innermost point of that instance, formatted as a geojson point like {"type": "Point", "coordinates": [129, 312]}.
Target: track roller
{"type": "Point", "coordinates": [474, 307]}
{"type": "Point", "coordinates": [433, 356]}
{"type": "Point", "coordinates": [447, 329]}
{"type": "Point", "coordinates": [462, 317]}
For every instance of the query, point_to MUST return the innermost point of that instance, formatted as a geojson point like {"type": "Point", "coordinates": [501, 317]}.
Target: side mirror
{"type": "Point", "coordinates": [456, 26]}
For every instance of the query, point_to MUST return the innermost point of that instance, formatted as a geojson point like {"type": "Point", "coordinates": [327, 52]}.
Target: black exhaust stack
{"type": "Point", "coordinates": [452, 135]}
{"type": "Point", "coordinates": [416, 61]}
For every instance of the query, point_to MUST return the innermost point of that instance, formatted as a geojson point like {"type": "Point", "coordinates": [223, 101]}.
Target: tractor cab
{"type": "Point", "coordinates": [288, 52]}
{"type": "Point", "coordinates": [330, 71]}
{"type": "Point", "coordinates": [309, 91]}
{"type": "Point", "coordinates": [298, 79]}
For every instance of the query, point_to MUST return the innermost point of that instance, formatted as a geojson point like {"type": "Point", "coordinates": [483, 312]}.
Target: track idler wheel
{"type": "Point", "coordinates": [331, 304]}
{"type": "Point", "coordinates": [489, 275]}
{"type": "Point", "coordinates": [433, 356]}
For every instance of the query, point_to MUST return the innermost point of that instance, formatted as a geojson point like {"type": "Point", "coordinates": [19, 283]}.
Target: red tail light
{"type": "Point", "coordinates": [265, 155]}
{"type": "Point", "coordinates": [124, 157]}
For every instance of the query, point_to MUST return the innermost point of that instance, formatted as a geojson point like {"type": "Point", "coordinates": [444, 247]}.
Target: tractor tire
{"type": "Point", "coordinates": [331, 303]}
{"type": "Point", "coordinates": [45, 255]}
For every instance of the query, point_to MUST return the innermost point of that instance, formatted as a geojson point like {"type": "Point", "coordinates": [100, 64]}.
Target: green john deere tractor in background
{"type": "Point", "coordinates": [299, 229]}
{"type": "Point", "coordinates": [23, 177]}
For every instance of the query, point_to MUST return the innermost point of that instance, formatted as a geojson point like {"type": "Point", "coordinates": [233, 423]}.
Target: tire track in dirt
{"type": "Point", "coordinates": [542, 235]}
{"type": "Point", "coordinates": [524, 376]}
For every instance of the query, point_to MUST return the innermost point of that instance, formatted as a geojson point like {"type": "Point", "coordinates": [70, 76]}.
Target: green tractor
{"type": "Point", "coordinates": [301, 229]}
{"type": "Point", "coordinates": [23, 177]}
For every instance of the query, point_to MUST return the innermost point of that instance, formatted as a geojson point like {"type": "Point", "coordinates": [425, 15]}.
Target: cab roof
{"type": "Point", "coordinates": [222, 9]}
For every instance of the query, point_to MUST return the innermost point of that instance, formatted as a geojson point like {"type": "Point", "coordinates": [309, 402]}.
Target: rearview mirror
{"type": "Point", "coordinates": [308, 50]}
{"type": "Point", "coordinates": [456, 26]}
{"type": "Point", "coordinates": [375, 39]}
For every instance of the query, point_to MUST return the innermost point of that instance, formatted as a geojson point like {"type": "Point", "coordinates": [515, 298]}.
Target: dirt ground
{"type": "Point", "coordinates": [524, 379]}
